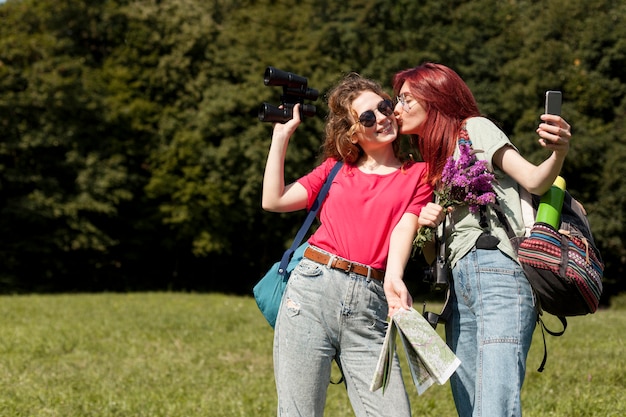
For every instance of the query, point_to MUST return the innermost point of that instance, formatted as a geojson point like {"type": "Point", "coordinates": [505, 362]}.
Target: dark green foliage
{"type": "Point", "coordinates": [131, 156]}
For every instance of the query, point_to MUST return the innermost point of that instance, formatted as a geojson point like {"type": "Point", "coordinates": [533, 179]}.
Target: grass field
{"type": "Point", "coordinates": [188, 355]}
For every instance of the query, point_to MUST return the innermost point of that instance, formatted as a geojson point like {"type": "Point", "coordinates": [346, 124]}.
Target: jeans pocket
{"type": "Point", "coordinates": [308, 269]}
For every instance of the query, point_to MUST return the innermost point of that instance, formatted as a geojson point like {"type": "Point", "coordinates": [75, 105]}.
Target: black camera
{"type": "Point", "coordinates": [437, 274]}
{"type": "Point", "coordinates": [295, 90]}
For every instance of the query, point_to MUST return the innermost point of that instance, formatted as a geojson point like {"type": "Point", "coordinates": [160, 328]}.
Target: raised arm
{"type": "Point", "coordinates": [554, 135]}
{"type": "Point", "coordinates": [276, 196]}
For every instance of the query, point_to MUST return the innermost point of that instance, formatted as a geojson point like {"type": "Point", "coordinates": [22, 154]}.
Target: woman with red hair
{"type": "Point", "coordinates": [493, 313]}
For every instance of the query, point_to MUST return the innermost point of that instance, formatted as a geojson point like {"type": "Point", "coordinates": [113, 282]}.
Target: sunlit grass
{"type": "Point", "coordinates": [187, 355]}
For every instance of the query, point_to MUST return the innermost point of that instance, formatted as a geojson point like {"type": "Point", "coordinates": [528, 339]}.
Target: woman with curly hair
{"type": "Point", "coordinates": [336, 303]}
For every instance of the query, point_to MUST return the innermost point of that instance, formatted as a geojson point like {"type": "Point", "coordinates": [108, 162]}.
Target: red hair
{"type": "Point", "coordinates": [448, 101]}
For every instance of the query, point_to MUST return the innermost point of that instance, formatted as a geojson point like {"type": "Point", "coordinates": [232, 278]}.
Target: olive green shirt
{"type": "Point", "coordinates": [462, 227]}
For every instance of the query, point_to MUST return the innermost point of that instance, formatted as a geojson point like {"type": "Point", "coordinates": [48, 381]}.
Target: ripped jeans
{"type": "Point", "coordinates": [490, 330]}
{"type": "Point", "coordinates": [328, 314]}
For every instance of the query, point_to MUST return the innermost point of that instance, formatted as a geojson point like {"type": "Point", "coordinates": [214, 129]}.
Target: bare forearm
{"type": "Point", "coordinates": [274, 175]}
{"type": "Point", "coordinates": [276, 195]}
{"type": "Point", "coordinates": [401, 246]}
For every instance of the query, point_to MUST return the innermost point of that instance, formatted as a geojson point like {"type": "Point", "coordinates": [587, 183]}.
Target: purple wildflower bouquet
{"type": "Point", "coordinates": [465, 181]}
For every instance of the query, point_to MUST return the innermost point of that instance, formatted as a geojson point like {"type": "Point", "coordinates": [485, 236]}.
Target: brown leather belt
{"type": "Point", "coordinates": [342, 264]}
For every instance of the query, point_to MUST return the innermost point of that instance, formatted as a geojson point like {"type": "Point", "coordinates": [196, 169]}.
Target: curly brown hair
{"type": "Point", "coordinates": [341, 122]}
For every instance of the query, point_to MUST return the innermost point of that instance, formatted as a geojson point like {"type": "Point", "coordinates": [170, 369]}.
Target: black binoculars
{"type": "Point", "coordinates": [295, 91]}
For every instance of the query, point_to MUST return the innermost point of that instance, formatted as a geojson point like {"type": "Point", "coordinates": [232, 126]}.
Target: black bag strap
{"type": "Point", "coordinates": [284, 261]}
{"type": "Point", "coordinates": [543, 336]}
{"type": "Point", "coordinates": [440, 257]}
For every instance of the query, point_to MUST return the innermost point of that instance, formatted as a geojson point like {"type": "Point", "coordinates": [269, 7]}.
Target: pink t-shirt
{"type": "Point", "coordinates": [361, 210]}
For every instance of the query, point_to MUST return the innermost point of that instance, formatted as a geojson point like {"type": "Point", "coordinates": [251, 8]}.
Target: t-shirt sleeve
{"type": "Point", "coordinates": [487, 137]}
{"type": "Point", "coordinates": [314, 180]}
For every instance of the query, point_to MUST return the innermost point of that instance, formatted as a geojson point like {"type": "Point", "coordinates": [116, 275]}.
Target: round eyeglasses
{"type": "Point", "coordinates": [405, 106]}
{"type": "Point", "coordinates": [368, 117]}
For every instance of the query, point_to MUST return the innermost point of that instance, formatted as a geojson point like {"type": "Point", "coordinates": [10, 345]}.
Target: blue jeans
{"type": "Point", "coordinates": [329, 315]}
{"type": "Point", "coordinates": [490, 330]}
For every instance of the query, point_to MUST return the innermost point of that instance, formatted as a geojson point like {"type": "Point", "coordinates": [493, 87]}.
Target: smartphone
{"type": "Point", "coordinates": [553, 102]}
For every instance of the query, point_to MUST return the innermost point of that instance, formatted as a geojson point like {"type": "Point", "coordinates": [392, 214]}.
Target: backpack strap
{"type": "Point", "coordinates": [543, 336]}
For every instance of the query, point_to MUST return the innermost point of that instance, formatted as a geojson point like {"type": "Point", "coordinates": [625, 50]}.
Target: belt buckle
{"type": "Point", "coordinates": [349, 267]}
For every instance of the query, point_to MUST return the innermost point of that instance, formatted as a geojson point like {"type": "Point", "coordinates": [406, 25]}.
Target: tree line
{"type": "Point", "coordinates": [131, 155]}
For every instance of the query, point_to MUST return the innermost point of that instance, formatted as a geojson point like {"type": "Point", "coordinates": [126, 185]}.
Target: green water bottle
{"type": "Point", "coordinates": [549, 210]}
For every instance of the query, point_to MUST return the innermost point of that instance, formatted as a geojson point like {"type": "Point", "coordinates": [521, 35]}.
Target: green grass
{"type": "Point", "coordinates": [187, 355]}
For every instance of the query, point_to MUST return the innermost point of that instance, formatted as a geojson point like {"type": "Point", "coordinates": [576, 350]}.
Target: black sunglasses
{"type": "Point", "coordinates": [368, 118]}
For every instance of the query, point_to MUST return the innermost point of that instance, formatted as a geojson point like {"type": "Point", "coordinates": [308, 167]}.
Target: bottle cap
{"type": "Point", "coordinates": [559, 182]}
